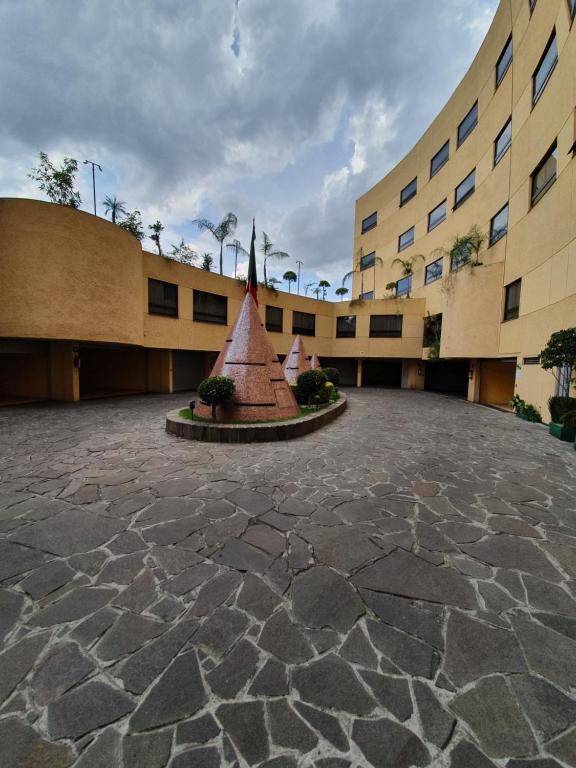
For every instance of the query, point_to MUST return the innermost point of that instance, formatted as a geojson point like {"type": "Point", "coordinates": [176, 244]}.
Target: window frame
{"type": "Point", "coordinates": [502, 75]}
{"type": "Point", "coordinates": [413, 194]}
{"type": "Point", "coordinates": [499, 155]}
{"type": "Point", "coordinates": [160, 308]}
{"type": "Point", "coordinates": [367, 295]}
{"type": "Point", "coordinates": [468, 193]}
{"type": "Point", "coordinates": [535, 198]}
{"type": "Point", "coordinates": [300, 329]}
{"type": "Point", "coordinates": [437, 277]}
{"type": "Point", "coordinates": [204, 317]}
{"type": "Point", "coordinates": [537, 94]}
{"type": "Point", "coordinates": [491, 239]}
{"type": "Point", "coordinates": [364, 229]}
{"type": "Point", "coordinates": [514, 312]}
{"type": "Point", "coordinates": [386, 334]}
{"type": "Point", "coordinates": [461, 139]}
{"type": "Point", "coordinates": [437, 224]}
{"type": "Point", "coordinates": [434, 171]}
{"type": "Point", "coordinates": [406, 279]}
{"type": "Point", "coordinates": [343, 334]}
{"type": "Point", "coordinates": [273, 327]}
{"type": "Point", "coordinates": [364, 266]}
{"type": "Point", "coordinates": [401, 247]}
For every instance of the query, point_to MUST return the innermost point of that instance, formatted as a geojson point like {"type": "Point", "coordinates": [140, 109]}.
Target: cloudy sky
{"type": "Point", "coordinates": [286, 110]}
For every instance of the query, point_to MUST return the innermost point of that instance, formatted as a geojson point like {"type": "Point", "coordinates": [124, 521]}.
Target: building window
{"type": "Point", "coordinates": [433, 271]}
{"type": "Point", "coordinates": [503, 63]}
{"type": "Point", "coordinates": [465, 189]}
{"type": "Point", "coordinates": [437, 216]}
{"type": "Point", "coordinates": [210, 308]}
{"type": "Point", "coordinates": [533, 360]}
{"type": "Point", "coordinates": [502, 142]}
{"type": "Point", "coordinates": [406, 239]}
{"type": "Point", "coordinates": [512, 300]}
{"type": "Point", "coordinates": [162, 298]}
{"type": "Point", "coordinates": [274, 318]}
{"type": "Point", "coordinates": [432, 330]}
{"type": "Point", "coordinates": [385, 326]}
{"type": "Point", "coordinates": [460, 256]}
{"type": "Point", "coordinates": [367, 261]}
{"type": "Point", "coordinates": [440, 159]}
{"type": "Point", "coordinates": [369, 222]}
{"type": "Point", "coordinates": [346, 327]}
{"type": "Point", "coordinates": [409, 191]}
{"type": "Point", "coordinates": [468, 124]}
{"type": "Point", "coordinates": [403, 286]}
{"type": "Point", "coordinates": [367, 295]}
{"type": "Point", "coordinates": [544, 175]}
{"type": "Point", "coordinates": [563, 380]}
{"type": "Point", "coordinates": [572, 8]}
{"type": "Point", "coordinates": [545, 68]}
{"type": "Point", "coordinates": [499, 225]}
{"type": "Point", "coordinates": [303, 323]}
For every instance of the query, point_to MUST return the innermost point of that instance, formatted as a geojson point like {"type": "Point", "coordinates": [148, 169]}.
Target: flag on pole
{"type": "Point", "coordinates": [252, 281]}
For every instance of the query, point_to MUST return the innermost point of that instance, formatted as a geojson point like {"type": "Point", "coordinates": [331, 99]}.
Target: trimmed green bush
{"type": "Point", "coordinates": [215, 391]}
{"type": "Point", "coordinates": [559, 406]}
{"type": "Point", "coordinates": [311, 388]}
{"type": "Point", "coordinates": [332, 374]}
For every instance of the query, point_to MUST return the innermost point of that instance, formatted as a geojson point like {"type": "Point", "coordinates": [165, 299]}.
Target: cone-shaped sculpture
{"type": "Point", "coordinates": [296, 362]}
{"type": "Point", "coordinates": [315, 362]}
{"type": "Point", "coordinates": [261, 391]}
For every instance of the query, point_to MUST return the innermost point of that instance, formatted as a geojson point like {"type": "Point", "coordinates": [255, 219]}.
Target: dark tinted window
{"type": "Point", "coordinates": [512, 300]}
{"type": "Point", "coordinates": [368, 260]}
{"type": "Point", "coordinates": [404, 286]}
{"type": "Point", "coordinates": [545, 174]}
{"type": "Point", "coordinates": [162, 298]}
{"type": "Point", "coordinates": [385, 326]}
{"type": "Point", "coordinates": [409, 191]}
{"type": "Point", "coordinates": [433, 271]}
{"type": "Point", "coordinates": [210, 308]}
{"type": "Point", "coordinates": [504, 62]}
{"type": "Point", "coordinates": [503, 141]}
{"type": "Point", "coordinates": [499, 225]}
{"type": "Point", "coordinates": [545, 68]}
{"type": "Point", "coordinates": [406, 239]}
{"type": "Point", "coordinates": [367, 295]}
{"type": "Point", "coordinates": [465, 189]}
{"type": "Point", "coordinates": [460, 256]}
{"type": "Point", "coordinates": [274, 319]}
{"type": "Point", "coordinates": [468, 124]}
{"type": "Point", "coordinates": [369, 222]}
{"type": "Point", "coordinates": [437, 216]}
{"type": "Point", "coordinates": [439, 159]}
{"type": "Point", "coordinates": [303, 323]}
{"type": "Point", "coordinates": [346, 327]}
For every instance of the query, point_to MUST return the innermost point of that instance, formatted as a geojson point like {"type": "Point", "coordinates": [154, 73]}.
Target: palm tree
{"type": "Point", "coordinates": [308, 285]}
{"type": "Point", "coordinates": [114, 207]}
{"type": "Point", "coordinates": [290, 277]}
{"type": "Point", "coordinates": [268, 251]}
{"type": "Point", "coordinates": [317, 291]}
{"type": "Point", "coordinates": [357, 270]}
{"type": "Point", "coordinates": [324, 284]}
{"type": "Point", "coordinates": [408, 264]}
{"type": "Point", "coordinates": [342, 291]}
{"type": "Point", "coordinates": [156, 229]}
{"type": "Point", "coordinates": [207, 262]}
{"type": "Point", "coordinates": [237, 247]}
{"type": "Point", "coordinates": [220, 232]}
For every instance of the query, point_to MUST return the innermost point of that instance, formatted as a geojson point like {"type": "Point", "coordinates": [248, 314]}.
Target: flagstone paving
{"type": "Point", "coordinates": [395, 590]}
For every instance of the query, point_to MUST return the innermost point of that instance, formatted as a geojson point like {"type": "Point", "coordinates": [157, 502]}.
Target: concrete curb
{"type": "Point", "coordinates": [253, 433]}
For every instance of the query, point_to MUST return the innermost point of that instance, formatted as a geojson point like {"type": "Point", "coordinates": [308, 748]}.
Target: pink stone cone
{"type": "Point", "coordinates": [261, 391]}
{"type": "Point", "coordinates": [315, 364]}
{"type": "Point", "coordinates": [296, 362]}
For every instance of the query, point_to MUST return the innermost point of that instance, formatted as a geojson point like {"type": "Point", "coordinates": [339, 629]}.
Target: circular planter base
{"type": "Point", "coordinates": [209, 432]}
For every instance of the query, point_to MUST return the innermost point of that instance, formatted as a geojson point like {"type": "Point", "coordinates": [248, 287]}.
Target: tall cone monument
{"type": "Point", "coordinates": [315, 362]}
{"type": "Point", "coordinates": [296, 361]}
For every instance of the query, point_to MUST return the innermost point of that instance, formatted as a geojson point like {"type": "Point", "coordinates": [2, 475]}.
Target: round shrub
{"type": "Point", "coordinates": [559, 406]}
{"type": "Point", "coordinates": [311, 387]}
{"type": "Point", "coordinates": [215, 391]}
{"type": "Point", "coordinates": [332, 374]}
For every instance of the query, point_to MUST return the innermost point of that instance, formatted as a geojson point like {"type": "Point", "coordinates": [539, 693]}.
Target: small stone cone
{"type": "Point", "coordinates": [261, 392]}
{"type": "Point", "coordinates": [296, 362]}
{"type": "Point", "coordinates": [315, 362]}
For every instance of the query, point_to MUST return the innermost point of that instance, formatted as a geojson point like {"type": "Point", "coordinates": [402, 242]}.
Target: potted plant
{"type": "Point", "coordinates": [563, 418]}
{"type": "Point", "coordinates": [525, 410]}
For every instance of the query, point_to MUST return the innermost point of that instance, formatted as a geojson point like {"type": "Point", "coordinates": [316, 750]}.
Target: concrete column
{"type": "Point", "coordinates": [474, 381]}
{"type": "Point", "coordinates": [160, 371]}
{"type": "Point", "coordinates": [64, 371]}
{"type": "Point", "coordinates": [359, 372]}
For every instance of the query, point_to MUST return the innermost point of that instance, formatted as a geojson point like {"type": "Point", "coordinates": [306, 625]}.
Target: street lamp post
{"type": "Point", "coordinates": [300, 263]}
{"type": "Point", "coordinates": [90, 162]}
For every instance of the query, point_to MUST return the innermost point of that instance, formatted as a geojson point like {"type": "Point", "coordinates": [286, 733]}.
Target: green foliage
{"type": "Point", "coordinates": [156, 230]}
{"type": "Point", "coordinates": [342, 291]}
{"type": "Point", "coordinates": [268, 251]}
{"type": "Point", "coordinates": [207, 262]}
{"type": "Point", "coordinates": [569, 419]}
{"type": "Point", "coordinates": [114, 207]}
{"type": "Point", "coordinates": [434, 350]}
{"type": "Point", "coordinates": [408, 264]}
{"type": "Point", "coordinates": [391, 287]}
{"type": "Point", "coordinates": [525, 410]}
{"type": "Point", "coordinates": [323, 285]}
{"type": "Point", "coordinates": [311, 387]}
{"type": "Point", "coordinates": [290, 277]}
{"type": "Point", "coordinates": [133, 224]}
{"type": "Point", "coordinates": [332, 374]}
{"type": "Point", "coordinates": [560, 350]}
{"type": "Point", "coordinates": [220, 232]}
{"type": "Point", "coordinates": [57, 183]}
{"type": "Point", "coordinates": [182, 253]}
{"type": "Point", "coordinates": [466, 248]}
{"type": "Point", "coordinates": [215, 391]}
{"type": "Point", "coordinates": [559, 406]}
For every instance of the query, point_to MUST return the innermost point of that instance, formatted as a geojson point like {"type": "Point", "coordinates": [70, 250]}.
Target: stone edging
{"type": "Point", "coordinates": [253, 433]}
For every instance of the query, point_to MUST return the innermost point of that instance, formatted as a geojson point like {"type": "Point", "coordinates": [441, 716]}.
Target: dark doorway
{"type": "Point", "coordinates": [447, 376]}
{"type": "Point", "coordinates": [347, 367]}
{"type": "Point", "coordinates": [382, 373]}
{"type": "Point", "coordinates": [111, 370]}
{"type": "Point", "coordinates": [189, 369]}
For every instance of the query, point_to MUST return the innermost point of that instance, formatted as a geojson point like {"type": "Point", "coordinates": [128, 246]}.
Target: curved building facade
{"type": "Point", "coordinates": [498, 157]}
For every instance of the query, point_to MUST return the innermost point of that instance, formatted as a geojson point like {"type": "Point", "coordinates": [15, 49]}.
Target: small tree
{"type": "Point", "coordinates": [133, 224]}
{"type": "Point", "coordinates": [269, 252]}
{"type": "Point", "coordinates": [156, 230]}
{"type": "Point", "coordinates": [560, 353]}
{"type": "Point", "coordinates": [342, 291]}
{"type": "Point", "coordinates": [311, 386]}
{"type": "Point", "coordinates": [215, 391]}
{"type": "Point", "coordinates": [290, 277]}
{"type": "Point", "coordinates": [465, 249]}
{"type": "Point", "coordinates": [220, 232]}
{"type": "Point", "coordinates": [307, 287]}
{"type": "Point", "coordinates": [114, 207]}
{"type": "Point", "coordinates": [238, 248]}
{"type": "Point", "coordinates": [359, 268]}
{"type": "Point", "coordinates": [324, 284]}
{"type": "Point", "coordinates": [207, 262]}
{"type": "Point", "coordinates": [58, 183]}
{"type": "Point", "coordinates": [183, 253]}
{"type": "Point", "coordinates": [408, 264]}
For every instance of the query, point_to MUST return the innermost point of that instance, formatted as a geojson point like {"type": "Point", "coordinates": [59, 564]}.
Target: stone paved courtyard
{"type": "Point", "coordinates": [398, 589]}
